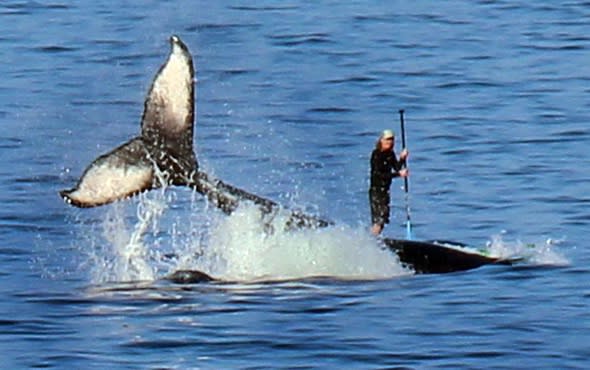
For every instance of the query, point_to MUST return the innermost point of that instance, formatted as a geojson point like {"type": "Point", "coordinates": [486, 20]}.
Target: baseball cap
{"type": "Point", "coordinates": [387, 134]}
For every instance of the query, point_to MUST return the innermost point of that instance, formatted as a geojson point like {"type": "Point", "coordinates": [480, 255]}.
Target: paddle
{"type": "Point", "coordinates": [406, 186]}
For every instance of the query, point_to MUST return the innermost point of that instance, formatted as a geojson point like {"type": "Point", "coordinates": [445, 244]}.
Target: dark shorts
{"type": "Point", "coordinates": [379, 207]}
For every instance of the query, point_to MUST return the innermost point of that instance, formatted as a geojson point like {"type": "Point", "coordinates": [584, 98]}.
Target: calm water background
{"type": "Point", "coordinates": [291, 96]}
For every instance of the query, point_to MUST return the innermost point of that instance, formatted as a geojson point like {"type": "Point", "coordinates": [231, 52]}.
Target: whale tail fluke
{"type": "Point", "coordinates": [164, 147]}
{"type": "Point", "coordinates": [163, 153]}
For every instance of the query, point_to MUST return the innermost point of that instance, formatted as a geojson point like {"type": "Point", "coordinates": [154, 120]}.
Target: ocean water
{"type": "Point", "coordinates": [290, 98]}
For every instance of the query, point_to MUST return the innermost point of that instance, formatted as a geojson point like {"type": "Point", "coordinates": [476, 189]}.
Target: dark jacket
{"type": "Point", "coordinates": [384, 167]}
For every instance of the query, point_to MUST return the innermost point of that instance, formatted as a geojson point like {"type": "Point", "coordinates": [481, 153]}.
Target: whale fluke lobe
{"type": "Point", "coordinates": [168, 116]}
{"type": "Point", "coordinates": [119, 174]}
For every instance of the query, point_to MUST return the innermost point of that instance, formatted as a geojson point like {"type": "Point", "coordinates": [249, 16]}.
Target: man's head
{"type": "Point", "coordinates": [386, 140]}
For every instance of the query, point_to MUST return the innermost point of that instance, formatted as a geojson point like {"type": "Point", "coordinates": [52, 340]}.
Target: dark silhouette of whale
{"type": "Point", "coordinates": [163, 155]}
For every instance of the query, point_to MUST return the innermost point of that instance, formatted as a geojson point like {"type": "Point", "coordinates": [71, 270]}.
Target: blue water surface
{"type": "Point", "coordinates": [291, 96]}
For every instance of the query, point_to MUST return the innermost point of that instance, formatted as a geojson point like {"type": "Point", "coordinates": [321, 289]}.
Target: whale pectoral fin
{"type": "Point", "coordinates": [119, 174]}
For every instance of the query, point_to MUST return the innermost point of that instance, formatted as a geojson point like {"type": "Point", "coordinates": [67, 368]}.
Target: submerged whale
{"type": "Point", "coordinates": [163, 155]}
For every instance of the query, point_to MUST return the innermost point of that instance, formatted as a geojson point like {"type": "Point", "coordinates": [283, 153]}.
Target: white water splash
{"type": "Point", "coordinates": [120, 252]}
{"type": "Point", "coordinates": [542, 253]}
{"type": "Point", "coordinates": [241, 249]}
{"type": "Point", "coordinates": [232, 248]}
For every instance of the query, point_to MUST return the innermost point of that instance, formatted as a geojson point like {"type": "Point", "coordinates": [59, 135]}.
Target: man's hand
{"type": "Point", "coordinates": [404, 155]}
{"type": "Point", "coordinates": [404, 172]}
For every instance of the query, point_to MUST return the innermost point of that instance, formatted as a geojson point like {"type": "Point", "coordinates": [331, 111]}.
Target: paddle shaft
{"type": "Point", "coordinates": [401, 118]}
{"type": "Point", "coordinates": [406, 185]}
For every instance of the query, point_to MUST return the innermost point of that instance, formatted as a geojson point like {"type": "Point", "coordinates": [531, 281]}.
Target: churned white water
{"type": "Point", "coordinates": [119, 251]}
{"type": "Point", "coordinates": [247, 246]}
{"type": "Point", "coordinates": [241, 248]}
{"type": "Point", "coordinates": [244, 246]}
{"type": "Point", "coordinates": [534, 253]}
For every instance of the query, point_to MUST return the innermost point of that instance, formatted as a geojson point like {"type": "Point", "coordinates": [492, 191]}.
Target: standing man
{"type": "Point", "coordinates": [384, 167]}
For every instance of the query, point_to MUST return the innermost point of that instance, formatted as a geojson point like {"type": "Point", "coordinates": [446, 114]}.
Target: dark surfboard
{"type": "Point", "coordinates": [437, 257]}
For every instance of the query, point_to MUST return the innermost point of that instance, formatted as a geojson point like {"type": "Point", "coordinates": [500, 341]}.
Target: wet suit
{"type": "Point", "coordinates": [384, 167]}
